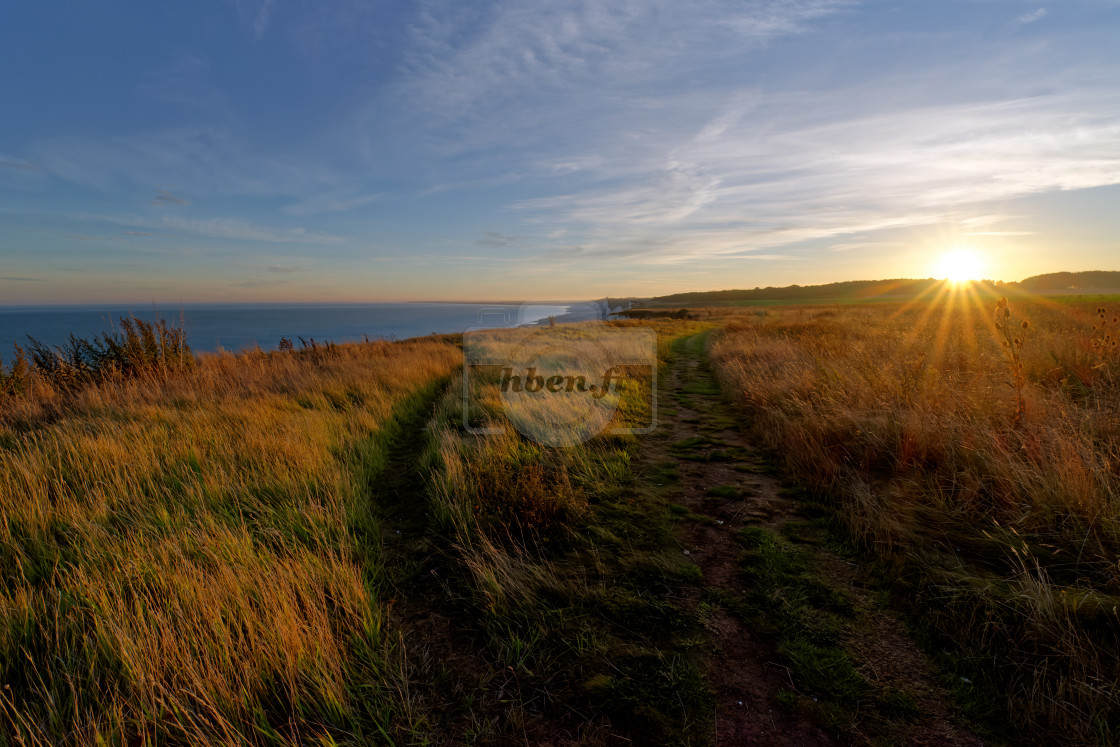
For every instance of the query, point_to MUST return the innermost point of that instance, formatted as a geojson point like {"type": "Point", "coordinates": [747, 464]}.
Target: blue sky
{"type": "Point", "coordinates": [342, 150]}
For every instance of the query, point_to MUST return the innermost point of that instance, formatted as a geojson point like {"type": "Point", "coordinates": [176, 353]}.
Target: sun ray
{"type": "Point", "coordinates": [938, 288]}
{"type": "Point", "coordinates": [917, 330]}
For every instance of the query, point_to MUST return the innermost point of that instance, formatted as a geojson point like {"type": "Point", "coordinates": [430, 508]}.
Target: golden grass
{"type": "Point", "coordinates": [178, 551]}
{"type": "Point", "coordinates": [987, 474]}
{"type": "Point", "coordinates": [502, 495]}
{"type": "Point", "coordinates": [187, 557]}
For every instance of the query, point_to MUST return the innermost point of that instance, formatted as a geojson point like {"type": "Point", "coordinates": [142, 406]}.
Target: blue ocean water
{"type": "Point", "coordinates": [236, 327]}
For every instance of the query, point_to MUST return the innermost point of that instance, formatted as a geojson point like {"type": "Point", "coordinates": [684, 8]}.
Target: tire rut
{"type": "Point", "coordinates": [437, 648]}
{"type": "Point", "coordinates": [745, 670]}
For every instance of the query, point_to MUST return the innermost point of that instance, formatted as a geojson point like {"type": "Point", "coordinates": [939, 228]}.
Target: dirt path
{"type": "Point", "coordinates": [787, 668]}
{"type": "Point", "coordinates": [435, 650]}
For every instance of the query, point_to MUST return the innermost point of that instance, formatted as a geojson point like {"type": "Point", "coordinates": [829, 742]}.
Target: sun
{"type": "Point", "coordinates": [960, 266]}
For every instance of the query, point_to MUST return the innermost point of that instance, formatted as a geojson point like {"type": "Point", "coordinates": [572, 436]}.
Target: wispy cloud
{"type": "Point", "coordinates": [496, 239]}
{"type": "Point", "coordinates": [255, 14]}
{"type": "Point", "coordinates": [165, 197]}
{"type": "Point", "coordinates": [85, 237]}
{"type": "Point", "coordinates": [223, 228]}
{"type": "Point", "coordinates": [20, 279]}
{"type": "Point", "coordinates": [332, 203]}
{"type": "Point", "coordinates": [1031, 17]}
{"type": "Point", "coordinates": [851, 245]}
{"type": "Point", "coordinates": [795, 171]}
{"type": "Point", "coordinates": [466, 66]}
{"type": "Point", "coordinates": [228, 228]}
{"type": "Point", "coordinates": [15, 164]}
{"type": "Point", "coordinates": [260, 283]}
{"type": "Point", "coordinates": [685, 160]}
{"type": "Point", "coordinates": [987, 220]}
{"type": "Point", "coordinates": [198, 159]}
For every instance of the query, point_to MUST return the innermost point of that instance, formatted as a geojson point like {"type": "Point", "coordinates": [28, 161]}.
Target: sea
{"type": "Point", "coordinates": [236, 327]}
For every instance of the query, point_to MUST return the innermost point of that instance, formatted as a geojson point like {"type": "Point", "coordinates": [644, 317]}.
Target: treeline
{"type": "Point", "coordinates": [897, 289]}
{"type": "Point", "coordinates": [1072, 282]}
{"type": "Point", "coordinates": [653, 314]}
{"type": "Point", "coordinates": [852, 289]}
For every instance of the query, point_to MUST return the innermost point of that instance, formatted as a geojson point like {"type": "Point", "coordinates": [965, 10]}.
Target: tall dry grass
{"type": "Point", "coordinates": [986, 475]}
{"type": "Point", "coordinates": [187, 557]}
{"type": "Point", "coordinates": [500, 486]}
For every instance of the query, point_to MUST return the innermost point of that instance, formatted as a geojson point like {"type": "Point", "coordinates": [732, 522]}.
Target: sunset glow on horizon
{"type": "Point", "coordinates": [961, 265]}
{"type": "Point", "coordinates": [265, 151]}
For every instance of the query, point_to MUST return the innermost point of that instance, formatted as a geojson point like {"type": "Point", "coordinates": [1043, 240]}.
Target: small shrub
{"type": "Point", "coordinates": [140, 348]}
{"type": "Point", "coordinates": [16, 379]}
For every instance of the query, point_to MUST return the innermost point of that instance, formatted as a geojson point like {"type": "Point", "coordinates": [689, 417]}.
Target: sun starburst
{"type": "Point", "coordinates": [960, 266]}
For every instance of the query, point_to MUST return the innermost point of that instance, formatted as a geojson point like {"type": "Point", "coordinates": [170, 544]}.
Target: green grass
{"type": "Point", "coordinates": [813, 624]}
{"type": "Point", "coordinates": [757, 465]}
{"type": "Point", "coordinates": [667, 473]}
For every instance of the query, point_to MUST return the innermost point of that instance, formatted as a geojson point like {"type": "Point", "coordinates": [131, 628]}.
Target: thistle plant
{"type": "Point", "coordinates": [1012, 337]}
{"type": "Point", "coordinates": [1106, 341]}
{"type": "Point", "coordinates": [1105, 334]}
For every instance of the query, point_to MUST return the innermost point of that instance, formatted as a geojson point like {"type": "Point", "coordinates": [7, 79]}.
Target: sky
{"type": "Point", "coordinates": [176, 151]}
